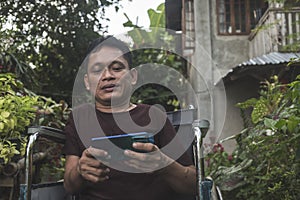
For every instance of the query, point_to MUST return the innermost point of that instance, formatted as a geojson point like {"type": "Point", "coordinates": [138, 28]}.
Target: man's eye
{"type": "Point", "coordinates": [117, 68]}
{"type": "Point", "coordinates": [97, 70]}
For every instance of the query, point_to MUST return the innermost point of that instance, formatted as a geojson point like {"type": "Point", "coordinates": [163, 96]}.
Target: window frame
{"type": "Point", "coordinates": [188, 26]}
{"type": "Point", "coordinates": [248, 5]}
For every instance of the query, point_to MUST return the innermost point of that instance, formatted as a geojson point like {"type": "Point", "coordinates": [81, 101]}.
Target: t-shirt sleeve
{"type": "Point", "coordinates": [71, 146]}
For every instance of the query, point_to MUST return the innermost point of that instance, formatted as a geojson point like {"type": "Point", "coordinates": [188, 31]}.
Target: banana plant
{"type": "Point", "coordinates": [155, 35]}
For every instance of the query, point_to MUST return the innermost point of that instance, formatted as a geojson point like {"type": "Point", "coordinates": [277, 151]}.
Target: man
{"type": "Point", "coordinates": [154, 175]}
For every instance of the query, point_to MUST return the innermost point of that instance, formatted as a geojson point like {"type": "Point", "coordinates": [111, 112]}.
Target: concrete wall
{"type": "Point", "coordinates": [214, 57]}
{"type": "Point", "coordinates": [201, 73]}
{"type": "Point", "coordinates": [237, 91]}
{"type": "Point", "coordinates": [228, 51]}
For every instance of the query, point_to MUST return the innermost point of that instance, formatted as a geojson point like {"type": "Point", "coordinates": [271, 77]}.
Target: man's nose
{"type": "Point", "coordinates": [107, 73]}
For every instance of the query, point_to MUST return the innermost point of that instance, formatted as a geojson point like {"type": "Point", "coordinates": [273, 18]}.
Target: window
{"type": "Point", "coordinates": [188, 25]}
{"type": "Point", "coordinates": [237, 17]}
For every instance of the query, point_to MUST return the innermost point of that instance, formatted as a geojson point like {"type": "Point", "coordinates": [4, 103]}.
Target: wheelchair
{"type": "Point", "coordinates": [184, 119]}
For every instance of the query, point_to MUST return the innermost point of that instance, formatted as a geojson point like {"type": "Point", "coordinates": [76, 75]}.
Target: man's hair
{"type": "Point", "coordinates": [110, 41]}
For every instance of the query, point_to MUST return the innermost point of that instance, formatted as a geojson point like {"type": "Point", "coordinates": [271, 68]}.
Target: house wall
{"type": "Point", "coordinates": [228, 51]}
{"type": "Point", "coordinates": [201, 72]}
{"type": "Point", "coordinates": [214, 57]}
{"type": "Point", "coordinates": [237, 91]}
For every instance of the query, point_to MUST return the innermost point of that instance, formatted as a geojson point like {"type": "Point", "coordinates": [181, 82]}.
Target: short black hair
{"type": "Point", "coordinates": [110, 41]}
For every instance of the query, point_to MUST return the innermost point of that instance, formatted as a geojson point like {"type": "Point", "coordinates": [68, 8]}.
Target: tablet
{"type": "Point", "coordinates": [123, 142]}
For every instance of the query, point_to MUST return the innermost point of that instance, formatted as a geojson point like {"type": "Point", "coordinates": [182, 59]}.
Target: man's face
{"type": "Point", "coordinates": [108, 76]}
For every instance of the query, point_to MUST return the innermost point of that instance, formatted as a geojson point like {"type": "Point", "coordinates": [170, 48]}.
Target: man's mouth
{"type": "Point", "coordinates": [109, 87]}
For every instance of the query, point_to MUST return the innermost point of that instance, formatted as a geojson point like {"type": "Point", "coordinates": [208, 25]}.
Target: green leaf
{"type": "Point", "coordinates": [270, 123]}
{"type": "Point", "coordinates": [260, 110]}
{"type": "Point", "coordinates": [5, 114]}
{"type": "Point", "coordinates": [292, 123]}
{"type": "Point", "coordinates": [1, 126]}
{"type": "Point", "coordinates": [280, 123]}
{"type": "Point", "coordinates": [249, 103]}
{"type": "Point", "coordinates": [14, 151]}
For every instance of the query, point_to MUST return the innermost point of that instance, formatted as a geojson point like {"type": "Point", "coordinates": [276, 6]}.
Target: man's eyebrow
{"type": "Point", "coordinates": [98, 64]}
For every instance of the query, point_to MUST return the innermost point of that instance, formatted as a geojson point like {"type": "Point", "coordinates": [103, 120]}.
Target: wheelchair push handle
{"type": "Point", "coordinates": [200, 129]}
{"type": "Point", "coordinates": [203, 125]}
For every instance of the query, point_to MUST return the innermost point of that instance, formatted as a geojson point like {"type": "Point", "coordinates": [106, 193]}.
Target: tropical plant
{"type": "Point", "coordinates": [153, 35]}
{"type": "Point", "coordinates": [266, 161]}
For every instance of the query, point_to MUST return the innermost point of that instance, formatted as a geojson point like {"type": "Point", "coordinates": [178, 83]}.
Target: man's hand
{"type": "Point", "coordinates": [91, 165]}
{"type": "Point", "coordinates": [151, 161]}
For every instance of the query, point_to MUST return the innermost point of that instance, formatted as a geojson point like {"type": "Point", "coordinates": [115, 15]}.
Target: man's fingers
{"type": "Point", "coordinates": [148, 147]}
{"type": "Point", "coordinates": [147, 162]}
{"type": "Point", "coordinates": [145, 157]}
{"type": "Point", "coordinates": [92, 169]}
{"type": "Point", "coordinates": [95, 173]}
{"type": "Point", "coordinates": [95, 179]}
{"type": "Point", "coordinates": [93, 152]}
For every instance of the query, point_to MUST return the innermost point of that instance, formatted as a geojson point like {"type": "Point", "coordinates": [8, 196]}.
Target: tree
{"type": "Point", "coordinates": [44, 41]}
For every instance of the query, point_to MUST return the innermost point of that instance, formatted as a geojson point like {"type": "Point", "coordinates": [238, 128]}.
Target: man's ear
{"type": "Point", "coordinates": [86, 82]}
{"type": "Point", "coordinates": [134, 76]}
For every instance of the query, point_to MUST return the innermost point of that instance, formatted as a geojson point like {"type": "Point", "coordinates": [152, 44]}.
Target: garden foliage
{"type": "Point", "coordinates": [266, 161]}
{"type": "Point", "coordinates": [19, 109]}
{"type": "Point", "coordinates": [49, 37]}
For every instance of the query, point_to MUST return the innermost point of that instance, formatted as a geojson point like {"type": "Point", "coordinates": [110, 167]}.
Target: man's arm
{"type": "Point", "coordinates": [86, 168]}
{"type": "Point", "coordinates": [73, 181]}
{"type": "Point", "coordinates": [181, 179]}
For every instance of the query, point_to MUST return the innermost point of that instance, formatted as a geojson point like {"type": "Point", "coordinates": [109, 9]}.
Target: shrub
{"type": "Point", "coordinates": [20, 108]}
{"type": "Point", "coordinates": [266, 161]}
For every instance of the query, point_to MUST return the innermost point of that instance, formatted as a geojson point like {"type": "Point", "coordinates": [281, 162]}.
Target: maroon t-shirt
{"type": "Point", "coordinates": [86, 122]}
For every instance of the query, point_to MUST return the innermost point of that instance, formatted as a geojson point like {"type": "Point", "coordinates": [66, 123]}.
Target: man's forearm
{"type": "Point", "coordinates": [73, 181]}
{"type": "Point", "coordinates": [182, 179]}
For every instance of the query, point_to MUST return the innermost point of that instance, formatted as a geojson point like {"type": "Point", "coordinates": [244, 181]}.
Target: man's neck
{"type": "Point", "coordinates": [116, 108]}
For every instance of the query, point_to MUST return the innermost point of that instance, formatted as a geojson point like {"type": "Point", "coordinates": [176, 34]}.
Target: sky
{"type": "Point", "coordinates": [136, 10]}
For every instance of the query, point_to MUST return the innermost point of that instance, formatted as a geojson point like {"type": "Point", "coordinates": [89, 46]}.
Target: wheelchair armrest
{"type": "Point", "coordinates": [48, 132]}
{"type": "Point", "coordinates": [182, 117]}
